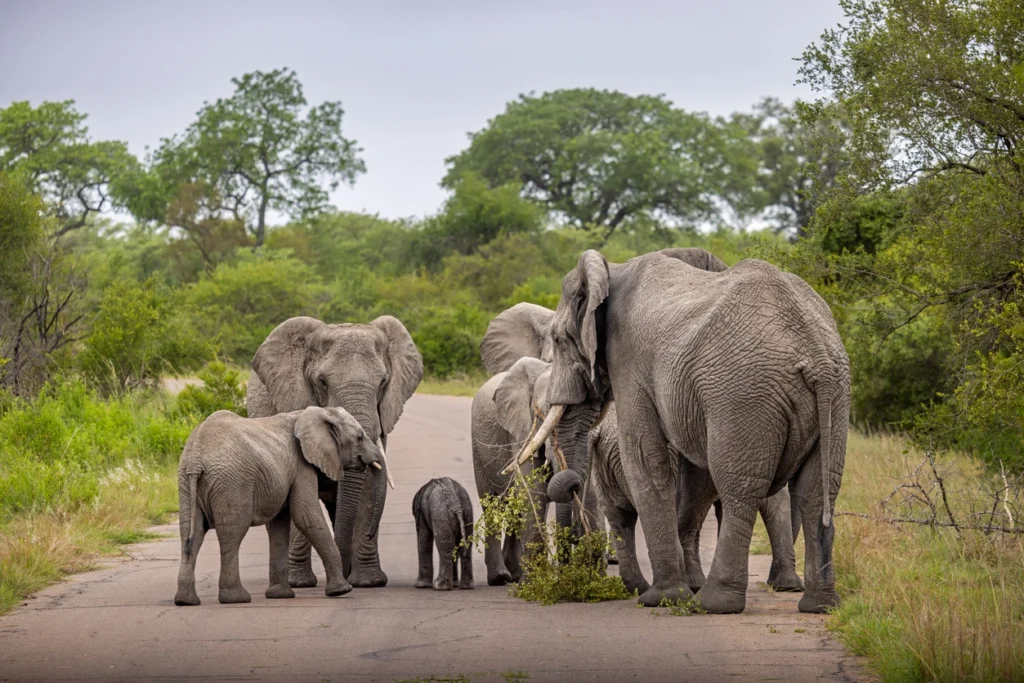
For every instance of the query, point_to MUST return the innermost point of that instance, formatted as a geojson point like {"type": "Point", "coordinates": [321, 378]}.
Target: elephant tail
{"type": "Point", "coordinates": [824, 395]}
{"type": "Point", "coordinates": [193, 509]}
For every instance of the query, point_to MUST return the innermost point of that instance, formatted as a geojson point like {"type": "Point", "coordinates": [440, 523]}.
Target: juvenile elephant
{"type": "Point", "coordinates": [738, 379]}
{"type": "Point", "coordinates": [369, 370]}
{"type": "Point", "coordinates": [238, 472]}
{"type": "Point", "coordinates": [502, 415]}
{"type": "Point", "coordinates": [620, 510]}
{"type": "Point", "coordinates": [444, 516]}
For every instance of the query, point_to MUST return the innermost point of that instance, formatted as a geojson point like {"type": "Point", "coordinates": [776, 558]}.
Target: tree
{"type": "Point", "coordinates": [260, 149]}
{"type": "Point", "coordinates": [934, 94]}
{"type": "Point", "coordinates": [791, 164]}
{"type": "Point", "coordinates": [48, 149]}
{"type": "Point", "coordinates": [599, 158]}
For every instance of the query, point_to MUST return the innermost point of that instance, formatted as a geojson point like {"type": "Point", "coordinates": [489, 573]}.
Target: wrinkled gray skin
{"type": "Point", "coordinates": [237, 472]}
{"type": "Point", "coordinates": [525, 331]}
{"type": "Point", "coordinates": [369, 370]}
{"type": "Point", "coordinates": [607, 477]}
{"type": "Point", "coordinates": [502, 415]}
{"type": "Point", "coordinates": [444, 516]}
{"type": "Point", "coordinates": [737, 378]}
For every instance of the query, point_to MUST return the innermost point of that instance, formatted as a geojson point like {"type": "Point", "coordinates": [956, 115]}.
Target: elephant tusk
{"type": "Point", "coordinates": [387, 470]}
{"type": "Point", "coordinates": [554, 415]}
{"type": "Point", "coordinates": [376, 464]}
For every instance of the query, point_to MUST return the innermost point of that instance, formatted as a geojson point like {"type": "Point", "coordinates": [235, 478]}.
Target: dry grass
{"type": "Point", "coordinates": [38, 550]}
{"type": "Point", "coordinates": [460, 385]}
{"type": "Point", "coordinates": [925, 604]}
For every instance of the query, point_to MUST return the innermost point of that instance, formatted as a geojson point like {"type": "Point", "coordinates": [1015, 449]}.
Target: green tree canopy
{"type": "Point", "coordinates": [599, 158]}
{"type": "Point", "coordinates": [259, 149]}
{"type": "Point", "coordinates": [49, 150]}
{"type": "Point", "coordinates": [934, 94]}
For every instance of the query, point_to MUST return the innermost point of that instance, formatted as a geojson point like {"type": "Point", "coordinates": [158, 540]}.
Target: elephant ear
{"type": "Point", "coordinates": [518, 332]}
{"type": "Point", "coordinates": [314, 429]}
{"type": "Point", "coordinates": [513, 397]}
{"type": "Point", "coordinates": [405, 369]}
{"type": "Point", "coordinates": [697, 257]}
{"type": "Point", "coordinates": [279, 364]}
{"type": "Point", "coordinates": [588, 292]}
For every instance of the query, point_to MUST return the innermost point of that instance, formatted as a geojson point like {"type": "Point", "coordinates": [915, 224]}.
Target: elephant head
{"type": "Point", "coordinates": [369, 370]}
{"type": "Point", "coordinates": [332, 441]}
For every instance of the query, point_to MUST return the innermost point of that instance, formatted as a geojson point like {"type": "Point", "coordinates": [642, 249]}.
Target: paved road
{"type": "Point", "coordinates": [119, 623]}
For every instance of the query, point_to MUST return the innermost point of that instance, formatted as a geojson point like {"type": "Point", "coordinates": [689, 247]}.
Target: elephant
{"type": "Point", "coordinates": [729, 384]}
{"type": "Point", "coordinates": [619, 509]}
{"type": "Point", "coordinates": [444, 515]}
{"type": "Point", "coordinates": [238, 472]}
{"type": "Point", "coordinates": [501, 418]}
{"type": "Point", "coordinates": [524, 330]}
{"type": "Point", "coordinates": [369, 370]}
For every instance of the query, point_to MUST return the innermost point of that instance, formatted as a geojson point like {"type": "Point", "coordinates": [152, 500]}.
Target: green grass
{"type": "Point", "coordinates": [79, 477]}
{"type": "Point", "coordinates": [459, 385]}
{"type": "Point", "coordinates": [924, 604]}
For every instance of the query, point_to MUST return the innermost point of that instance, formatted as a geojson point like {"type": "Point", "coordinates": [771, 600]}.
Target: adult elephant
{"type": "Point", "coordinates": [524, 330]}
{"type": "Point", "coordinates": [369, 370]}
{"type": "Point", "coordinates": [737, 378]}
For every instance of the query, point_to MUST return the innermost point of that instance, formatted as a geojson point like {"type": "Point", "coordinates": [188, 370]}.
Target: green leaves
{"type": "Point", "coordinates": [48, 149]}
{"type": "Point", "coordinates": [260, 149]}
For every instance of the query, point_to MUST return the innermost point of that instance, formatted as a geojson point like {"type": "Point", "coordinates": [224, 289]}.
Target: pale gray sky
{"type": "Point", "coordinates": [414, 77]}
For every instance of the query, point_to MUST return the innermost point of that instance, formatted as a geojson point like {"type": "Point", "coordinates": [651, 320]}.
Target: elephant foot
{"type": "Point", "coordinates": [695, 580]}
{"type": "Point", "coordinates": [364, 577]}
{"type": "Point", "coordinates": [639, 587]}
{"type": "Point", "coordinates": [231, 596]}
{"type": "Point", "coordinates": [301, 577]}
{"type": "Point", "coordinates": [785, 581]}
{"type": "Point", "coordinates": [424, 583]}
{"type": "Point", "coordinates": [818, 602]}
{"type": "Point", "coordinates": [442, 584]}
{"type": "Point", "coordinates": [277, 591]}
{"type": "Point", "coordinates": [186, 596]}
{"type": "Point", "coordinates": [337, 588]}
{"type": "Point", "coordinates": [465, 584]}
{"type": "Point", "coordinates": [611, 559]}
{"type": "Point", "coordinates": [499, 578]}
{"type": "Point", "coordinates": [719, 601]}
{"type": "Point", "coordinates": [653, 596]}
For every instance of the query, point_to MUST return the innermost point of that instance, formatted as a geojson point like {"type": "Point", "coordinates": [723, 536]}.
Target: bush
{"type": "Point", "coordinates": [580, 577]}
{"type": "Point", "coordinates": [136, 335]}
{"type": "Point", "coordinates": [55, 449]}
{"type": "Point", "coordinates": [449, 340]}
{"type": "Point", "coordinates": [222, 389]}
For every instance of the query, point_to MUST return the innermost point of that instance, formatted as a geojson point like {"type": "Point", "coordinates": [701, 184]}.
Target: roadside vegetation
{"type": "Point", "coordinates": [897, 192]}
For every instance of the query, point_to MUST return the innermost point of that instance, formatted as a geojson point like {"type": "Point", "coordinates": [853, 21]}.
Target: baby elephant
{"type": "Point", "coordinates": [444, 514]}
{"type": "Point", "coordinates": [238, 472]}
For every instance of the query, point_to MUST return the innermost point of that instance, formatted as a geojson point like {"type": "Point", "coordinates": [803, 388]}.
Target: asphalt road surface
{"type": "Point", "coordinates": [120, 624]}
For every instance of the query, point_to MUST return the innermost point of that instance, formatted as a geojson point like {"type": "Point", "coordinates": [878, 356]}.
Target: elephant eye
{"type": "Point", "coordinates": [385, 379]}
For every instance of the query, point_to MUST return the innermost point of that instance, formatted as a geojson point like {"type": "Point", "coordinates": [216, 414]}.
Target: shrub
{"type": "Point", "coordinates": [222, 389]}
{"type": "Point", "coordinates": [449, 339]}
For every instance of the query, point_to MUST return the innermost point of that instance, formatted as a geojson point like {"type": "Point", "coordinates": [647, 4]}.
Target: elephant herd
{"type": "Point", "coordinates": [665, 385]}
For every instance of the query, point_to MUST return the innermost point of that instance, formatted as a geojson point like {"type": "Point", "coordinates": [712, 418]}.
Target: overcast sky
{"type": "Point", "coordinates": [414, 77]}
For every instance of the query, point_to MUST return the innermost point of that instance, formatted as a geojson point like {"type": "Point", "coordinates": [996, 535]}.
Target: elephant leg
{"type": "Point", "coordinates": [497, 573]}
{"type": "Point", "coordinates": [230, 536]}
{"type": "Point", "coordinates": [308, 518]}
{"type": "Point", "coordinates": [696, 494]}
{"type": "Point", "coordinates": [644, 453]}
{"type": "Point", "coordinates": [300, 565]}
{"type": "Point", "coordinates": [512, 557]}
{"type": "Point", "coordinates": [819, 572]}
{"type": "Point", "coordinates": [368, 491]}
{"type": "Point", "coordinates": [777, 519]}
{"type": "Point", "coordinates": [278, 530]}
{"type": "Point", "coordinates": [466, 548]}
{"type": "Point", "coordinates": [425, 548]}
{"type": "Point", "coordinates": [186, 593]}
{"type": "Point", "coordinates": [623, 531]}
{"type": "Point", "coordinates": [445, 579]}
{"type": "Point", "coordinates": [718, 518]}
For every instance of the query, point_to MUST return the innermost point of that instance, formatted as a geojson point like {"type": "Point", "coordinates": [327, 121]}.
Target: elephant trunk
{"type": "Point", "coordinates": [563, 487]}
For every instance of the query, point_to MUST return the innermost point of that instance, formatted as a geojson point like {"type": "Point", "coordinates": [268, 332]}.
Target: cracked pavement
{"type": "Point", "coordinates": [119, 623]}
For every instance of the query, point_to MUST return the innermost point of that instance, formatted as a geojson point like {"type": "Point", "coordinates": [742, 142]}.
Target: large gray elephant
{"type": "Point", "coordinates": [618, 505]}
{"type": "Point", "coordinates": [237, 472]}
{"type": "Point", "coordinates": [524, 330]}
{"type": "Point", "coordinates": [738, 378]}
{"type": "Point", "coordinates": [369, 370]}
